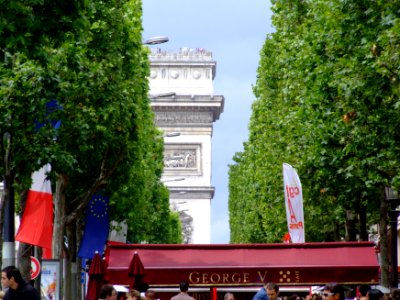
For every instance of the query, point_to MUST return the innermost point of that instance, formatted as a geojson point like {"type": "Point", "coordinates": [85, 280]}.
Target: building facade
{"type": "Point", "coordinates": [185, 107]}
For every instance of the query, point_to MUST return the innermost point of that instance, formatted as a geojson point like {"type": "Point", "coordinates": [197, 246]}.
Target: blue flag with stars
{"type": "Point", "coordinates": [96, 227]}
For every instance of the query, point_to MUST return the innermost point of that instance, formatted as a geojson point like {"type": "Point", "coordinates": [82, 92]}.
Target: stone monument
{"type": "Point", "coordinates": [181, 91]}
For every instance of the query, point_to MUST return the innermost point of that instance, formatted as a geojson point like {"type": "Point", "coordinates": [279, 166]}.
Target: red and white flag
{"type": "Point", "coordinates": [36, 226]}
{"type": "Point", "coordinates": [294, 204]}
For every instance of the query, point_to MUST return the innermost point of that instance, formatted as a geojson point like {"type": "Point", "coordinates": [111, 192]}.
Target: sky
{"type": "Point", "coordinates": [234, 31]}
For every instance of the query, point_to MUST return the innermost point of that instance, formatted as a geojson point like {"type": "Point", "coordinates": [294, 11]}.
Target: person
{"type": "Point", "coordinates": [229, 296]}
{"type": "Point", "coordinates": [387, 296]}
{"type": "Point", "coordinates": [374, 294]}
{"type": "Point", "coordinates": [183, 295]}
{"type": "Point", "coordinates": [316, 296]}
{"type": "Point", "coordinates": [272, 290]}
{"type": "Point", "coordinates": [108, 292]}
{"type": "Point", "coordinates": [18, 288]}
{"type": "Point", "coordinates": [363, 291]}
{"type": "Point", "coordinates": [133, 295]}
{"type": "Point", "coordinates": [143, 287]}
{"type": "Point", "coordinates": [261, 294]}
{"type": "Point", "coordinates": [4, 280]}
{"type": "Point", "coordinates": [150, 295]}
{"type": "Point", "coordinates": [395, 294]}
{"type": "Point", "coordinates": [269, 290]}
{"type": "Point", "coordinates": [295, 297]}
{"type": "Point", "coordinates": [333, 291]}
{"type": "Point", "coordinates": [327, 291]}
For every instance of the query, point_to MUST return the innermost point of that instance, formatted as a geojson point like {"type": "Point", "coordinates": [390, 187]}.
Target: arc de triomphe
{"type": "Point", "coordinates": [181, 90]}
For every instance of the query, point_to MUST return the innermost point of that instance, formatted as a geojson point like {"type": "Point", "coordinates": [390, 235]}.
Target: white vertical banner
{"type": "Point", "coordinates": [293, 204]}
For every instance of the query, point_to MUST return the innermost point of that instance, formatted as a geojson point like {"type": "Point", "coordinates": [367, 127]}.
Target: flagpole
{"type": "Point", "coordinates": [9, 227]}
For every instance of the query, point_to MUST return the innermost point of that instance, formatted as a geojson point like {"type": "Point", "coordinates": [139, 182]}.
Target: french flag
{"type": "Point", "coordinates": [36, 226]}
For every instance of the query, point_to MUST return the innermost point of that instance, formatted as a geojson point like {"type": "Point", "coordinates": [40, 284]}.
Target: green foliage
{"type": "Point", "coordinates": [326, 102]}
{"type": "Point", "coordinates": [87, 55]}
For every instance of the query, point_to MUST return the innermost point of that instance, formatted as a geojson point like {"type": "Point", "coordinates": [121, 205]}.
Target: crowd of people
{"type": "Point", "coordinates": [14, 287]}
{"type": "Point", "coordinates": [270, 291]}
{"type": "Point", "coordinates": [108, 292]}
{"type": "Point", "coordinates": [332, 291]}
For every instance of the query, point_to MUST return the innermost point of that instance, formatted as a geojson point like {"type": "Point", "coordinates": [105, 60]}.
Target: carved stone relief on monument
{"type": "Point", "coordinates": [196, 75]}
{"type": "Point", "coordinates": [182, 159]}
{"type": "Point", "coordinates": [185, 158]}
{"type": "Point", "coordinates": [174, 74]}
{"type": "Point", "coordinates": [153, 74]}
{"type": "Point", "coordinates": [182, 117]}
{"type": "Point", "coordinates": [208, 73]}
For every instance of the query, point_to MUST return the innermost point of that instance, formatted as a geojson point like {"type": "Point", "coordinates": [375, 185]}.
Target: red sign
{"type": "Point", "coordinates": [35, 267]}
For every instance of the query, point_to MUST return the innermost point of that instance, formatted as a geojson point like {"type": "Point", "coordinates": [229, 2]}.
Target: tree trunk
{"type": "Point", "coordinates": [68, 280]}
{"type": "Point", "coordinates": [80, 271]}
{"type": "Point", "coordinates": [363, 223]}
{"type": "Point", "coordinates": [336, 232]}
{"type": "Point", "coordinates": [4, 197]}
{"type": "Point", "coordinates": [78, 278]}
{"type": "Point", "coordinates": [38, 255]}
{"type": "Point", "coordinates": [24, 260]}
{"type": "Point", "coordinates": [25, 251]}
{"type": "Point", "coordinates": [71, 267]}
{"type": "Point", "coordinates": [59, 218]}
{"type": "Point", "coordinates": [350, 226]}
{"type": "Point", "coordinates": [68, 293]}
{"type": "Point", "coordinates": [2, 206]}
{"type": "Point", "coordinates": [59, 228]}
{"type": "Point", "coordinates": [383, 238]}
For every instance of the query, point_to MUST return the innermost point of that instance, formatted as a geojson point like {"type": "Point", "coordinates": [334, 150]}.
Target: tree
{"type": "Point", "coordinates": [327, 102]}
{"type": "Point", "coordinates": [89, 57]}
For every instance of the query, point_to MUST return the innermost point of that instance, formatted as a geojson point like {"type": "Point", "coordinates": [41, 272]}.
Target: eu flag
{"type": "Point", "coordinates": [96, 227]}
{"type": "Point", "coordinates": [51, 107]}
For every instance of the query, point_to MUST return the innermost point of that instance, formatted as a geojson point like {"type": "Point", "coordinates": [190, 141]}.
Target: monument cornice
{"type": "Point", "coordinates": [191, 192]}
{"type": "Point", "coordinates": [189, 103]}
{"type": "Point", "coordinates": [185, 58]}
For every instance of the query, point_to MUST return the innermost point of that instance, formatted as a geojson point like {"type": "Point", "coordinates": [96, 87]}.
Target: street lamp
{"type": "Point", "coordinates": [156, 40]}
{"type": "Point", "coordinates": [393, 197]}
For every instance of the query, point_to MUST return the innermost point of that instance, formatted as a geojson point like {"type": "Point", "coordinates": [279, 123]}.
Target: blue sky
{"type": "Point", "coordinates": [234, 31]}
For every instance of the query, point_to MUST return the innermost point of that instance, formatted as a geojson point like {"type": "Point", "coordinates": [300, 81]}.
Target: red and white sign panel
{"type": "Point", "coordinates": [35, 267]}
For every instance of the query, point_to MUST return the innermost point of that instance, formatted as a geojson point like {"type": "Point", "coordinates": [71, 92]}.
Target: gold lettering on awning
{"type": "Point", "coordinates": [262, 276]}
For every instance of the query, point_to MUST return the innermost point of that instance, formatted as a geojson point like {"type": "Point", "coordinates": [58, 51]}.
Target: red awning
{"type": "Point", "coordinates": [247, 264]}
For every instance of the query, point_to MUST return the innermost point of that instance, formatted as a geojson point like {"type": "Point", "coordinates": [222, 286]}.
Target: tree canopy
{"type": "Point", "coordinates": [87, 58]}
{"type": "Point", "coordinates": [327, 102]}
